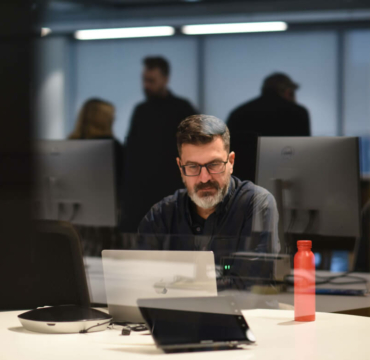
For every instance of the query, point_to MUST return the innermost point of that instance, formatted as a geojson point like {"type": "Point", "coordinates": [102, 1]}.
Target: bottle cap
{"type": "Point", "coordinates": [305, 243]}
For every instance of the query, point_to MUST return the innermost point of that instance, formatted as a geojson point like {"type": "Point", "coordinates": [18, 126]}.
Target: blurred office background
{"type": "Point", "coordinates": [325, 49]}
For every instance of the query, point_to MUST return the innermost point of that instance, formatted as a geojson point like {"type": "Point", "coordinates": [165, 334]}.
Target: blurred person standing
{"type": "Point", "coordinates": [94, 122]}
{"type": "Point", "coordinates": [161, 107]}
{"type": "Point", "coordinates": [150, 147]}
{"type": "Point", "coordinates": [274, 113]}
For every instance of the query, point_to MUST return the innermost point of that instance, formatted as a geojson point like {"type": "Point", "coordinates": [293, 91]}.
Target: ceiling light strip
{"type": "Point", "coordinates": [233, 28]}
{"type": "Point", "coordinates": [120, 33]}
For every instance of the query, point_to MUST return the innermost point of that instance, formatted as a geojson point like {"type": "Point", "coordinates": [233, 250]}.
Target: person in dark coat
{"type": "Point", "coordinates": [151, 143]}
{"type": "Point", "coordinates": [274, 113]}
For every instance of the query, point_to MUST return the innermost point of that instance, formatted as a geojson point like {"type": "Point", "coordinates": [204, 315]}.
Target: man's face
{"type": "Point", "coordinates": [289, 94]}
{"type": "Point", "coordinates": [206, 189]}
{"type": "Point", "coordinates": [154, 83]}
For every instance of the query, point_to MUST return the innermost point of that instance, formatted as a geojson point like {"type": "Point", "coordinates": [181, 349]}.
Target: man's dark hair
{"type": "Point", "coordinates": [277, 83]}
{"type": "Point", "coordinates": [157, 62]}
{"type": "Point", "coordinates": [200, 130]}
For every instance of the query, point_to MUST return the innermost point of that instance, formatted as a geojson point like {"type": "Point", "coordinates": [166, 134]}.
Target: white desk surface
{"type": "Point", "coordinates": [331, 336]}
{"type": "Point", "coordinates": [324, 303]}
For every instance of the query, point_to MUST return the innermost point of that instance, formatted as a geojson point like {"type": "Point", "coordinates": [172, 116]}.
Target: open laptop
{"type": "Point", "coordinates": [130, 275]}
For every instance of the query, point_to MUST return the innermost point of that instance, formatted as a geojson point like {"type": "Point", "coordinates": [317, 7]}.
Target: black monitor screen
{"type": "Point", "coordinates": [171, 327]}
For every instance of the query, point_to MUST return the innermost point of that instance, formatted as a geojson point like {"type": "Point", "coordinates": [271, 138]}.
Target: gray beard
{"type": "Point", "coordinates": [208, 202]}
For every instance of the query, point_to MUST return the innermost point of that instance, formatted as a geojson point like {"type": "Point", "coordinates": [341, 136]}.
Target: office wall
{"type": "Point", "coordinates": [112, 70]}
{"type": "Point", "coordinates": [357, 83]}
{"type": "Point", "coordinates": [235, 66]}
{"type": "Point", "coordinates": [50, 88]}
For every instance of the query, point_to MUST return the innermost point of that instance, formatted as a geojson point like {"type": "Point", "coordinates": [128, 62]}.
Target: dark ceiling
{"type": "Point", "coordinates": [253, 5]}
{"type": "Point", "coordinates": [69, 11]}
{"type": "Point", "coordinates": [135, 3]}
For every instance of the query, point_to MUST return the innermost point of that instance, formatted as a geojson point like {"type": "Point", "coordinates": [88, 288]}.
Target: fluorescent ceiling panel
{"type": "Point", "coordinates": [119, 33]}
{"type": "Point", "coordinates": [234, 28]}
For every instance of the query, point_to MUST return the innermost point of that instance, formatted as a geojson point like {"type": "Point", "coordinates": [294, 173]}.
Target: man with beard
{"type": "Point", "coordinates": [216, 211]}
{"type": "Point", "coordinates": [152, 132]}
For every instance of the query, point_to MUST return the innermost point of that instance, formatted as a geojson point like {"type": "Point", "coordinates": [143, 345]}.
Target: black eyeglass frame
{"type": "Point", "coordinates": [206, 166]}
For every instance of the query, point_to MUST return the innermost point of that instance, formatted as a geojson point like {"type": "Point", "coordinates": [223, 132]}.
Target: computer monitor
{"type": "Point", "coordinates": [365, 156]}
{"type": "Point", "coordinates": [75, 181]}
{"type": "Point", "coordinates": [315, 180]}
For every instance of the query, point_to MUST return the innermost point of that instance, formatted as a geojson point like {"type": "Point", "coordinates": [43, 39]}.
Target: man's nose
{"type": "Point", "coordinates": [204, 175]}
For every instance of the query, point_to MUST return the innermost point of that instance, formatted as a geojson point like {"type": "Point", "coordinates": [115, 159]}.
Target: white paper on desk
{"type": "Point", "coordinates": [113, 336]}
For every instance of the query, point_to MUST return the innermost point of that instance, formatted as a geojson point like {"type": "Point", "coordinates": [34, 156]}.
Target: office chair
{"type": "Point", "coordinates": [53, 271]}
{"type": "Point", "coordinates": [362, 253]}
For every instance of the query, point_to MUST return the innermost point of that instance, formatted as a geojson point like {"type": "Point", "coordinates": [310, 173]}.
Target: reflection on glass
{"type": "Point", "coordinates": [131, 275]}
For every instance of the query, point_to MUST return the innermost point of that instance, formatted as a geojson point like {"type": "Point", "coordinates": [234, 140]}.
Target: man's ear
{"type": "Point", "coordinates": [179, 164]}
{"type": "Point", "coordinates": [232, 160]}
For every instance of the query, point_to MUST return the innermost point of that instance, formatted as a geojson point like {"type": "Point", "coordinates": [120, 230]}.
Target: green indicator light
{"type": "Point", "coordinates": [225, 267]}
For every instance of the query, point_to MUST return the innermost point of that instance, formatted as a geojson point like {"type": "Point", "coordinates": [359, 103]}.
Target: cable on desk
{"type": "Point", "coordinates": [328, 279]}
{"type": "Point", "coordinates": [132, 326]}
{"type": "Point", "coordinates": [76, 207]}
{"type": "Point", "coordinates": [94, 326]}
{"type": "Point", "coordinates": [311, 221]}
{"type": "Point", "coordinates": [293, 215]}
{"type": "Point", "coordinates": [320, 280]}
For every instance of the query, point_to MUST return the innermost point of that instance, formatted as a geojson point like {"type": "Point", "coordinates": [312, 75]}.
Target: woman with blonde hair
{"type": "Point", "coordinates": [94, 121]}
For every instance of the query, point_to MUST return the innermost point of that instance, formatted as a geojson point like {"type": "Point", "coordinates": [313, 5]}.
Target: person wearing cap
{"type": "Point", "coordinates": [274, 113]}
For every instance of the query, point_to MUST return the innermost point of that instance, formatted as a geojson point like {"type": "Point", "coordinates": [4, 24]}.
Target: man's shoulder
{"type": "Point", "coordinates": [160, 216]}
{"type": "Point", "coordinates": [141, 105]}
{"type": "Point", "coordinates": [170, 202]}
{"type": "Point", "coordinates": [300, 108]}
{"type": "Point", "coordinates": [180, 100]}
{"type": "Point", "coordinates": [247, 185]}
{"type": "Point", "coordinates": [246, 106]}
{"type": "Point", "coordinates": [290, 105]}
{"type": "Point", "coordinates": [261, 191]}
{"type": "Point", "coordinates": [255, 192]}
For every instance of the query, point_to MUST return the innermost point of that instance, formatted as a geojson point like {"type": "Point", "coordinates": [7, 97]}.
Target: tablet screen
{"type": "Point", "coordinates": [176, 327]}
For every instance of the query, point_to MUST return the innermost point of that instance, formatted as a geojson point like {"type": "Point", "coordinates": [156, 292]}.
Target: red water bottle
{"type": "Point", "coordinates": [304, 282]}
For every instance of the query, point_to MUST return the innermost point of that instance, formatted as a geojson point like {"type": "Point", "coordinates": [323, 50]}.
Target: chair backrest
{"type": "Point", "coordinates": [54, 272]}
{"type": "Point", "coordinates": [362, 252]}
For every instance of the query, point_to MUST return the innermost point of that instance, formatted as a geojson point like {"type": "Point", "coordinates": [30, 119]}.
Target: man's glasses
{"type": "Point", "coordinates": [215, 167]}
